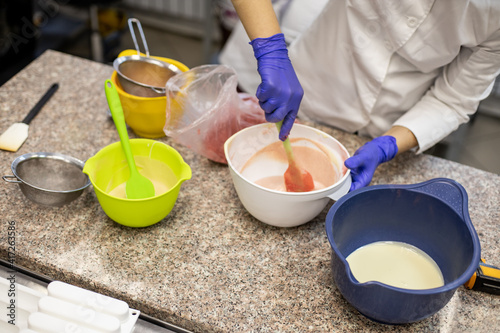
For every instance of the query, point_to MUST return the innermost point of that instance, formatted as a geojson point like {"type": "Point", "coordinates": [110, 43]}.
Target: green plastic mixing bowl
{"type": "Point", "coordinates": [163, 165]}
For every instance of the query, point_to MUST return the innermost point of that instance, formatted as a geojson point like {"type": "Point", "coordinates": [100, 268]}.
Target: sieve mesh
{"type": "Point", "coordinates": [147, 73]}
{"type": "Point", "coordinates": [51, 174]}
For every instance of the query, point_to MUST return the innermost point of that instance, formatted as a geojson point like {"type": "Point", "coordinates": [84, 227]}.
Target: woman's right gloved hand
{"type": "Point", "coordinates": [280, 92]}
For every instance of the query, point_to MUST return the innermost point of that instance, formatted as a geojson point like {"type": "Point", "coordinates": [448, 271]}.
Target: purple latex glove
{"type": "Point", "coordinates": [368, 157]}
{"type": "Point", "coordinates": [280, 92]}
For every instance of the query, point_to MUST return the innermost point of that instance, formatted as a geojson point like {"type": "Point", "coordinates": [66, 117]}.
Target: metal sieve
{"type": "Point", "coordinates": [140, 75]}
{"type": "Point", "coordinates": [49, 179]}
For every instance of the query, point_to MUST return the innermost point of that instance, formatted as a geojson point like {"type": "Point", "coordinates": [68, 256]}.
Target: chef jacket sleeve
{"type": "Point", "coordinates": [456, 93]}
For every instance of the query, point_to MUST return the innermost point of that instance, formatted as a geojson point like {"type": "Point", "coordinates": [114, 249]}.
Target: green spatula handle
{"type": "Point", "coordinates": [286, 145]}
{"type": "Point", "coordinates": [115, 107]}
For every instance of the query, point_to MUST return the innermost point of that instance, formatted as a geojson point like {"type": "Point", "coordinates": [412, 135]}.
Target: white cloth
{"type": "Point", "coordinates": [367, 65]}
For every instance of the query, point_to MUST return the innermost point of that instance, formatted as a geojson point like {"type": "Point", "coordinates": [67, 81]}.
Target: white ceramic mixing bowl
{"type": "Point", "coordinates": [278, 208]}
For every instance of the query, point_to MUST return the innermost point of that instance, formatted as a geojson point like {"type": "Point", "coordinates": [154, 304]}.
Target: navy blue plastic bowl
{"type": "Point", "coordinates": [432, 216]}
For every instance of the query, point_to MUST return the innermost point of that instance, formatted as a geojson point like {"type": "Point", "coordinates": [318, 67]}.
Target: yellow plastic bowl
{"type": "Point", "coordinates": [146, 116]}
{"type": "Point", "coordinates": [163, 165]}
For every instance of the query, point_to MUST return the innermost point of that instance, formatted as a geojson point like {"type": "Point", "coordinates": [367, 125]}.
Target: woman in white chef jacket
{"type": "Point", "coordinates": [406, 73]}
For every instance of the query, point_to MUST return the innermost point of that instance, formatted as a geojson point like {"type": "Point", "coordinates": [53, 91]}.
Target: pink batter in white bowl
{"type": "Point", "coordinates": [257, 163]}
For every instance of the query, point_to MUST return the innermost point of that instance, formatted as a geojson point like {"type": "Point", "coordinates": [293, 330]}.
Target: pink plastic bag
{"type": "Point", "coordinates": [207, 109]}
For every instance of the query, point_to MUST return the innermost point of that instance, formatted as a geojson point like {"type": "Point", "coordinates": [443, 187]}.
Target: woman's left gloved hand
{"type": "Point", "coordinates": [368, 157]}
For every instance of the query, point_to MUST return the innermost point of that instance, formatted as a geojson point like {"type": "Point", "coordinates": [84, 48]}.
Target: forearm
{"type": "Point", "coordinates": [258, 18]}
{"type": "Point", "coordinates": [404, 138]}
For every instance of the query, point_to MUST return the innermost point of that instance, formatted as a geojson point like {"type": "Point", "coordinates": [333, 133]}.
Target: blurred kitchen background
{"type": "Point", "coordinates": [191, 31]}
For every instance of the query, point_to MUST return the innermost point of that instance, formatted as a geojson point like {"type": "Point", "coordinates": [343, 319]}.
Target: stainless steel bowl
{"type": "Point", "coordinates": [50, 179]}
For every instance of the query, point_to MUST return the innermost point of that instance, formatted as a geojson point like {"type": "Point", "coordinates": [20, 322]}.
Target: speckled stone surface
{"type": "Point", "coordinates": [209, 266]}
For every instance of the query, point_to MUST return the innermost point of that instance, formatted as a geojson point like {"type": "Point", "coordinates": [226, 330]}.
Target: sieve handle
{"type": "Point", "coordinates": [139, 27]}
{"type": "Point", "coordinates": [158, 91]}
{"type": "Point", "coordinates": [11, 179]}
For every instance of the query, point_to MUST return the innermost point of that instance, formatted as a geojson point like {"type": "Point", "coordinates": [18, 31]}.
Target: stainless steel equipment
{"type": "Point", "coordinates": [50, 179]}
{"type": "Point", "coordinates": [143, 75]}
{"type": "Point", "coordinates": [37, 284]}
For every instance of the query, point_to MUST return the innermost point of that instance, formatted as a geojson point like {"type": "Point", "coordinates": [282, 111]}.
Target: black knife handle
{"type": "Point", "coordinates": [34, 111]}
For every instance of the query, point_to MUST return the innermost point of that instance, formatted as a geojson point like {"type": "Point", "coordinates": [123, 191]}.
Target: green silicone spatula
{"type": "Point", "coordinates": [297, 179]}
{"type": "Point", "coordinates": [137, 186]}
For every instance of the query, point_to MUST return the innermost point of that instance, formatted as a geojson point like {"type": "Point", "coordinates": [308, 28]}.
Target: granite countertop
{"type": "Point", "coordinates": [209, 266]}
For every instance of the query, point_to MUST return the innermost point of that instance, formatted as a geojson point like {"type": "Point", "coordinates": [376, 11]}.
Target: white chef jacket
{"type": "Point", "coordinates": [367, 65]}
